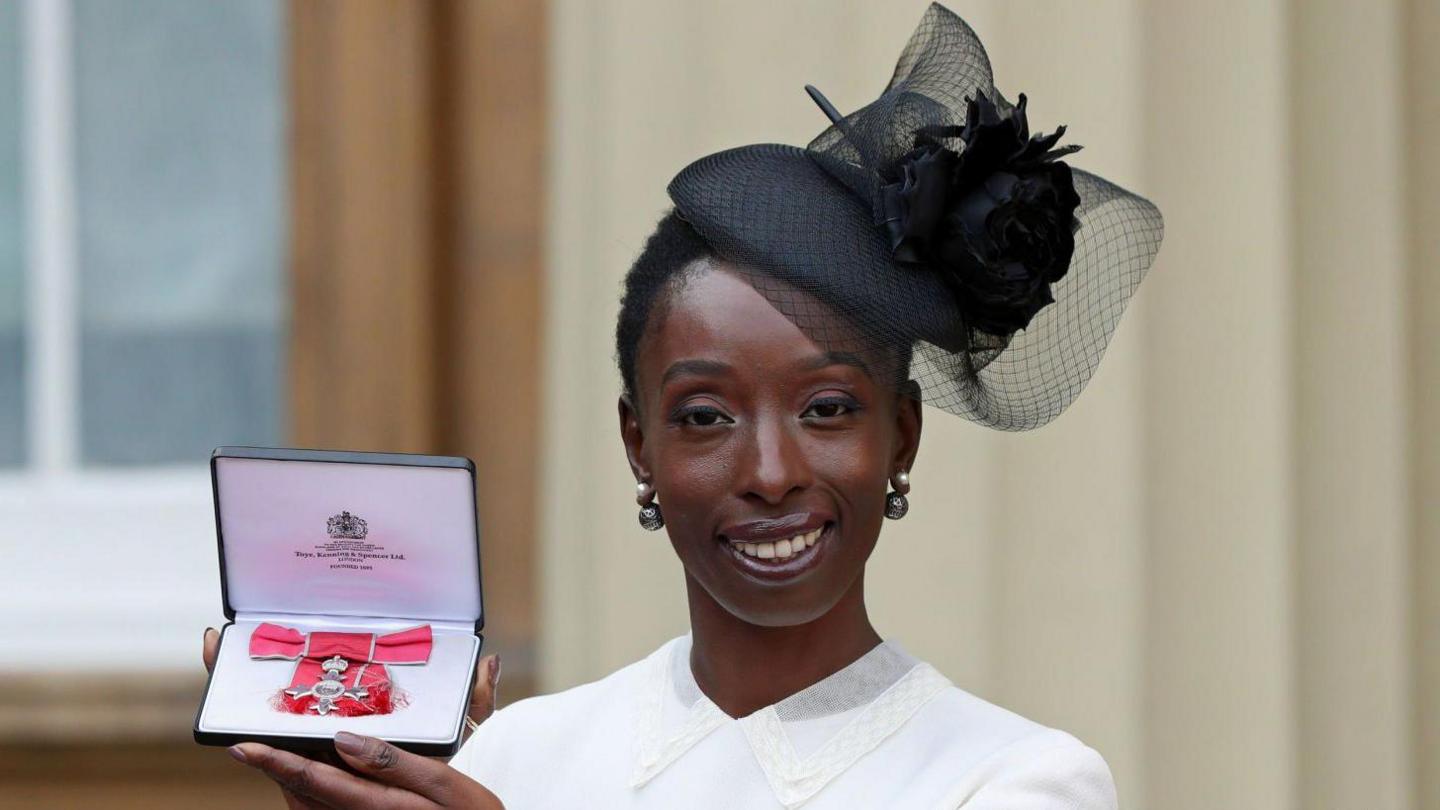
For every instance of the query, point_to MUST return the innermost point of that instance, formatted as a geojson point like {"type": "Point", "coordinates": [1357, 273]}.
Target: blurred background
{"type": "Point", "coordinates": [401, 225]}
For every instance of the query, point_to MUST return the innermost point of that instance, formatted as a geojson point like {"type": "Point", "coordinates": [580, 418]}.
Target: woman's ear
{"type": "Point", "coordinates": [909, 418]}
{"type": "Point", "coordinates": [633, 437]}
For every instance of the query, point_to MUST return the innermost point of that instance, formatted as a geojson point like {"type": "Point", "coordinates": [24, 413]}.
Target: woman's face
{"type": "Point", "coordinates": [753, 436]}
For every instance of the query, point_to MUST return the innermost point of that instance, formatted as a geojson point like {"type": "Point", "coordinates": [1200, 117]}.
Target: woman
{"type": "Point", "coordinates": [776, 337]}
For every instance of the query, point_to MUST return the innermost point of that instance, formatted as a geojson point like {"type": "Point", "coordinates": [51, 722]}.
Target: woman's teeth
{"type": "Point", "coordinates": [780, 549]}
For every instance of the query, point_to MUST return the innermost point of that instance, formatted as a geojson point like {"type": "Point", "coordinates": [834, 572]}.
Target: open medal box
{"type": "Point", "coordinates": [351, 582]}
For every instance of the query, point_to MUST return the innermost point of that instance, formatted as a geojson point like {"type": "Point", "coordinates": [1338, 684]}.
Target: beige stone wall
{"type": "Point", "coordinates": [1229, 583]}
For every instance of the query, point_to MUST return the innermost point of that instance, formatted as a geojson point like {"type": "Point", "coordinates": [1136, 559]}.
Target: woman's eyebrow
{"type": "Point", "coordinates": [694, 368]}
{"type": "Point", "coordinates": [824, 359]}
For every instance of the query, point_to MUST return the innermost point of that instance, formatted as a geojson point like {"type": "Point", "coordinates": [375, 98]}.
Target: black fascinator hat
{"type": "Point", "coordinates": [931, 231]}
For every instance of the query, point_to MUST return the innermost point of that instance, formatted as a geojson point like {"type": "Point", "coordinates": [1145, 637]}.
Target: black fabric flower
{"type": "Point", "coordinates": [978, 236]}
{"type": "Point", "coordinates": [996, 221]}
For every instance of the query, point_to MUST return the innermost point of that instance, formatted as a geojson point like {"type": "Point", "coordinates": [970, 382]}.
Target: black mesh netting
{"type": "Point", "coordinates": [804, 225]}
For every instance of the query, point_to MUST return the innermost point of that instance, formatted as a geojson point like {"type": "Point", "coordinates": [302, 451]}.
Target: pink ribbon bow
{"type": "Point", "coordinates": [410, 646]}
{"type": "Point", "coordinates": [363, 679]}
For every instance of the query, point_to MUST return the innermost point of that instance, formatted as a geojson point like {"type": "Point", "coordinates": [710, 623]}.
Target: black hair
{"type": "Point", "coordinates": [672, 251]}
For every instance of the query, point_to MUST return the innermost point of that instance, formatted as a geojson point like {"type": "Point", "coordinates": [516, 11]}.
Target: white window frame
{"type": "Point", "coordinates": [112, 569]}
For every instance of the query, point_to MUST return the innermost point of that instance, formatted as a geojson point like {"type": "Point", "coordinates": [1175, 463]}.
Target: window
{"type": "Point", "coordinates": [142, 307]}
{"type": "Point", "coordinates": [12, 249]}
{"type": "Point", "coordinates": [179, 183]}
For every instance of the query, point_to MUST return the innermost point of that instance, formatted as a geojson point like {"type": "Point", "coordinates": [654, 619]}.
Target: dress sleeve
{"type": "Point", "coordinates": [1063, 775]}
{"type": "Point", "coordinates": [477, 757]}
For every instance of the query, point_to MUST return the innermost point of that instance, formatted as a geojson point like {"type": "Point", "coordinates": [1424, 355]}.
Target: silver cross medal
{"type": "Point", "coordinates": [330, 688]}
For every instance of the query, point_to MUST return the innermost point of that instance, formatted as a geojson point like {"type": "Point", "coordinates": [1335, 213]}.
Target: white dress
{"type": "Point", "coordinates": [886, 731]}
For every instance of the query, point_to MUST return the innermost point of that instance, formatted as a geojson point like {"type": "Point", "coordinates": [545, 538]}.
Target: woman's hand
{"type": "Point", "coordinates": [397, 778]}
{"type": "Point", "coordinates": [390, 778]}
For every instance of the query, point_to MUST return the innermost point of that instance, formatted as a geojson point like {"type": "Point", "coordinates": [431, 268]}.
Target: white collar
{"type": "Point", "coordinates": [876, 694]}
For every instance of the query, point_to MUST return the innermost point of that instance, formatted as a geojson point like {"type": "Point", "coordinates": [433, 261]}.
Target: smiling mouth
{"type": "Point", "coordinates": [782, 549]}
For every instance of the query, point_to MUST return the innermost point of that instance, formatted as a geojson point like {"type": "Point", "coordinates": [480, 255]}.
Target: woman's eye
{"type": "Point", "coordinates": [701, 417]}
{"type": "Point", "coordinates": [829, 408]}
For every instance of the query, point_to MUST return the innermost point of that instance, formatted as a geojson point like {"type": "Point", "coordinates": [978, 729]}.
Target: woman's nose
{"type": "Point", "coordinates": [776, 464]}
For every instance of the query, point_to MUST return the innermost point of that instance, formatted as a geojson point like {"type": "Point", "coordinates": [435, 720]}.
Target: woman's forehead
{"type": "Point", "coordinates": [718, 315]}
{"type": "Point", "coordinates": [719, 307]}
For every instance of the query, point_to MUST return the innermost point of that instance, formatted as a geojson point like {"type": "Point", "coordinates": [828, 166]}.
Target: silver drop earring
{"type": "Point", "coordinates": [896, 504]}
{"type": "Point", "coordinates": [650, 516]}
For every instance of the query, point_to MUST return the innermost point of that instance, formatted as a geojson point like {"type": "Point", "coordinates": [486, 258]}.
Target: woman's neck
{"type": "Point", "coordinates": [744, 667]}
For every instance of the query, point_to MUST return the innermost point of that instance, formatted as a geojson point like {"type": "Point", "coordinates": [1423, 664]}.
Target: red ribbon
{"type": "Point", "coordinates": [365, 653]}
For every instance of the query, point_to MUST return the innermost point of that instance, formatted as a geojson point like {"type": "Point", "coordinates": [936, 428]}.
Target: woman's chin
{"type": "Point", "coordinates": [785, 592]}
{"type": "Point", "coordinates": [768, 587]}
{"type": "Point", "coordinates": [781, 612]}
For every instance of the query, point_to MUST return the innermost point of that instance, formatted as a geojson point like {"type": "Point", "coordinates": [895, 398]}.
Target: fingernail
{"type": "Point", "coordinates": [238, 754]}
{"type": "Point", "coordinates": [494, 670]}
{"type": "Point", "coordinates": [207, 632]}
{"type": "Point", "coordinates": [349, 743]}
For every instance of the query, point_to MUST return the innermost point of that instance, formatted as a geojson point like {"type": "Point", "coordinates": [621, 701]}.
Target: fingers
{"type": "Point", "coordinates": [315, 784]}
{"type": "Point", "coordinates": [487, 682]}
{"type": "Point", "coordinates": [382, 761]}
{"type": "Point", "coordinates": [210, 648]}
{"type": "Point", "coordinates": [293, 802]}
{"type": "Point", "coordinates": [429, 780]}
{"type": "Point", "coordinates": [331, 757]}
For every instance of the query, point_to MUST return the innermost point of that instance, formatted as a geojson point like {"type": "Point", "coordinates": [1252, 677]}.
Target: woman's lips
{"type": "Point", "coordinates": [783, 558]}
{"type": "Point", "coordinates": [779, 549]}
{"type": "Point", "coordinates": [769, 530]}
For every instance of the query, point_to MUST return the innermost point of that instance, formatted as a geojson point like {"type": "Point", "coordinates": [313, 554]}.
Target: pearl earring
{"type": "Point", "coordinates": [650, 516]}
{"type": "Point", "coordinates": [896, 504]}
